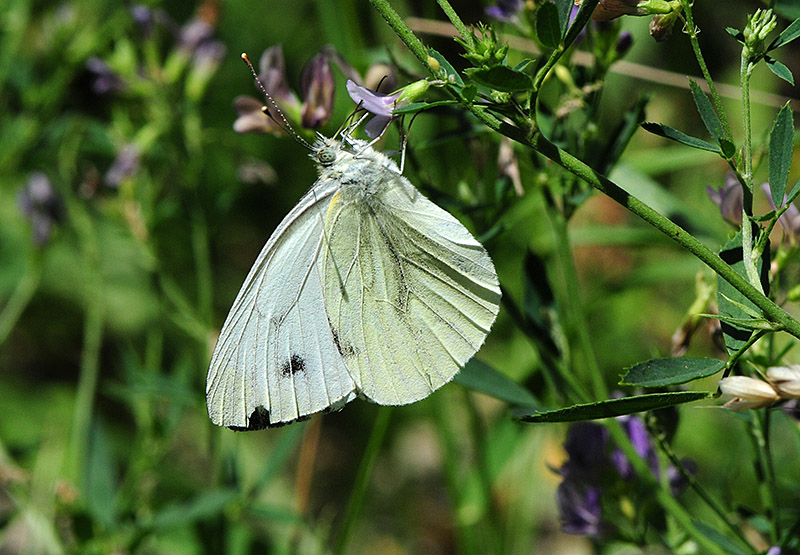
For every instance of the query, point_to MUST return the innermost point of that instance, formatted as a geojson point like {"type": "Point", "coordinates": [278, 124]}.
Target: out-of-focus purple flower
{"type": "Point", "coordinates": [677, 481]}
{"type": "Point", "coordinates": [505, 10]}
{"type": "Point", "coordinates": [144, 18]}
{"type": "Point", "coordinates": [789, 220]}
{"type": "Point", "coordinates": [774, 550]}
{"type": "Point", "coordinates": [728, 198]}
{"type": "Point", "coordinates": [637, 432]}
{"type": "Point", "coordinates": [624, 43]}
{"type": "Point", "coordinates": [381, 105]}
{"type": "Point", "coordinates": [125, 164]}
{"type": "Point", "coordinates": [193, 33]}
{"type": "Point", "coordinates": [317, 85]}
{"type": "Point", "coordinates": [579, 508]}
{"type": "Point", "coordinates": [252, 118]}
{"type": "Point", "coordinates": [42, 206]}
{"type": "Point", "coordinates": [587, 448]}
{"type": "Point", "coordinates": [272, 74]}
{"type": "Point", "coordinates": [106, 81]}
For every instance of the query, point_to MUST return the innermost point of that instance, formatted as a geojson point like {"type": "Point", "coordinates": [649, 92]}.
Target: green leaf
{"type": "Point", "coordinates": [728, 148]}
{"type": "Point", "coordinates": [100, 482]}
{"type": "Point", "coordinates": [614, 407]}
{"type": "Point", "coordinates": [787, 35]}
{"type": "Point", "coordinates": [779, 69]}
{"type": "Point", "coordinates": [719, 538]}
{"type": "Point", "coordinates": [479, 376]}
{"type": "Point", "coordinates": [204, 506]}
{"type": "Point", "coordinates": [445, 65]}
{"type": "Point", "coordinates": [707, 112]}
{"type": "Point", "coordinates": [501, 78]}
{"type": "Point", "coordinates": [662, 372]}
{"type": "Point", "coordinates": [730, 301]}
{"type": "Point", "coordinates": [679, 136]}
{"type": "Point", "coordinates": [735, 33]}
{"type": "Point", "coordinates": [780, 154]}
{"type": "Point", "coordinates": [581, 19]}
{"type": "Point", "coordinates": [564, 9]}
{"type": "Point", "coordinates": [548, 29]}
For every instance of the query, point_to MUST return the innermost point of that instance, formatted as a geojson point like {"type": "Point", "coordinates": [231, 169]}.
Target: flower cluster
{"type": "Point", "coordinates": [42, 205]}
{"type": "Point", "coordinates": [596, 471]}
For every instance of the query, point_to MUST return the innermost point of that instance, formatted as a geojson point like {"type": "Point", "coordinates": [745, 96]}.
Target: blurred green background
{"type": "Point", "coordinates": [106, 330]}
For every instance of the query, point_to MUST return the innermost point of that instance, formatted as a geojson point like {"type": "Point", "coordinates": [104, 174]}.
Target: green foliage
{"type": "Point", "coordinates": [661, 372]}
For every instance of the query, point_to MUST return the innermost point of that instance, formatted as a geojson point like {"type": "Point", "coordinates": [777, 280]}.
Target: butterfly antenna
{"type": "Point", "coordinates": [272, 110]}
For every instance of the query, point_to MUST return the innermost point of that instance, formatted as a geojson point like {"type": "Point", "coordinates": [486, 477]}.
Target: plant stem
{"type": "Point", "coordinates": [356, 500]}
{"type": "Point", "coordinates": [457, 23]}
{"type": "Point", "coordinates": [765, 473]}
{"type": "Point", "coordinates": [748, 259]}
{"type": "Point", "coordinates": [21, 296]}
{"type": "Point", "coordinates": [692, 32]}
{"type": "Point", "coordinates": [402, 30]}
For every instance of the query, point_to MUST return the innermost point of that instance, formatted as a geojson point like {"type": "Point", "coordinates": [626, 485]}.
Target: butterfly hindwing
{"type": "Point", "coordinates": [410, 294]}
{"type": "Point", "coordinates": [276, 359]}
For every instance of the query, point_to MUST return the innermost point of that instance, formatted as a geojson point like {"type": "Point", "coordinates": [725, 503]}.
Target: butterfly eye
{"type": "Point", "coordinates": [326, 156]}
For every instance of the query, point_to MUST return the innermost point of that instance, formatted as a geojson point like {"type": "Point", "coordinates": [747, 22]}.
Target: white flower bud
{"type": "Point", "coordinates": [747, 393]}
{"type": "Point", "coordinates": [785, 379]}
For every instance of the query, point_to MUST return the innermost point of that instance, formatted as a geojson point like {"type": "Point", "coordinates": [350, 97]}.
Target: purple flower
{"type": "Point", "coordinates": [39, 202]}
{"type": "Point", "coordinates": [624, 43]}
{"type": "Point", "coordinates": [579, 508]}
{"type": "Point", "coordinates": [317, 85]}
{"type": "Point", "coordinates": [677, 481]}
{"type": "Point", "coordinates": [106, 81]}
{"type": "Point", "coordinates": [505, 10]}
{"type": "Point", "coordinates": [252, 118]}
{"type": "Point", "coordinates": [728, 198]}
{"type": "Point", "coordinates": [789, 220]}
{"type": "Point", "coordinates": [144, 18]}
{"type": "Point", "coordinates": [194, 33]}
{"type": "Point", "coordinates": [587, 448]}
{"type": "Point", "coordinates": [381, 105]}
{"type": "Point", "coordinates": [125, 165]}
{"type": "Point", "coordinates": [637, 432]}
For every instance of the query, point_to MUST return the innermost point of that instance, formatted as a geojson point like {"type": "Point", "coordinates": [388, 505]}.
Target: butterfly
{"type": "Point", "coordinates": [366, 288]}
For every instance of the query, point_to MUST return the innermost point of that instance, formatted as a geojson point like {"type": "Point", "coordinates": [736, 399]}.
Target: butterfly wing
{"type": "Point", "coordinates": [410, 293]}
{"type": "Point", "coordinates": [276, 359]}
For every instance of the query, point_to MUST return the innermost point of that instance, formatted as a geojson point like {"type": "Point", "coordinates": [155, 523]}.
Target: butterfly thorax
{"type": "Point", "coordinates": [361, 172]}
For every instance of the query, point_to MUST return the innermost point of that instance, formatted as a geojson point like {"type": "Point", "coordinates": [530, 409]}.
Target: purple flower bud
{"type": "Point", "coordinates": [272, 74]}
{"type": "Point", "coordinates": [728, 198]}
{"type": "Point", "coordinates": [194, 33]}
{"type": "Point", "coordinates": [317, 85]}
{"type": "Point", "coordinates": [39, 202]}
{"type": "Point", "coordinates": [505, 10]}
{"type": "Point", "coordinates": [125, 165]}
{"type": "Point", "coordinates": [144, 18]}
{"type": "Point", "coordinates": [624, 43]}
{"type": "Point", "coordinates": [587, 446]}
{"type": "Point", "coordinates": [105, 80]}
{"type": "Point", "coordinates": [579, 508]}
{"type": "Point", "coordinates": [252, 118]}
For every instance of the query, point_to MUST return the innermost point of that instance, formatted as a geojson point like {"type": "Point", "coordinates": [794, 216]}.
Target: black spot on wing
{"type": "Point", "coordinates": [258, 420]}
{"type": "Point", "coordinates": [293, 366]}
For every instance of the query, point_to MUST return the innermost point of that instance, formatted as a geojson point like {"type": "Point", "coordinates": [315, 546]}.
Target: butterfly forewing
{"type": "Point", "coordinates": [410, 294]}
{"type": "Point", "coordinates": [276, 359]}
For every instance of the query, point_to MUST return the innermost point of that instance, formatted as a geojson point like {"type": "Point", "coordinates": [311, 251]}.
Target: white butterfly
{"type": "Point", "coordinates": [365, 288]}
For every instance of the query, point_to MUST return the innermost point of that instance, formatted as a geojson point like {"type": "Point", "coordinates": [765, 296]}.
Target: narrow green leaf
{"type": "Point", "coordinates": [581, 19]}
{"type": "Point", "coordinates": [735, 33]}
{"type": "Point", "coordinates": [780, 70]}
{"type": "Point", "coordinates": [707, 112]}
{"type": "Point", "coordinates": [415, 107]}
{"type": "Point", "coordinates": [679, 136]}
{"type": "Point", "coordinates": [205, 505]}
{"type": "Point", "coordinates": [100, 481]}
{"type": "Point", "coordinates": [780, 153]}
{"type": "Point", "coordinates": [662, 372]}
{"type": "Point", "coordinates": [479, 376]}
{"type": "Point", "coordinates": [787, 35]}
{"type": "Point", "coordinates": [548, 29]}
{"type": "Point", "coordinates": [614, 407]}
{"type": "Point", "coordinates": [728, 148]}
{"type": "Point", "coordinates": [719, 538]}
{"type": "Point", "coordinates": [501, 78]}
{"type": "Point", "coordinates": [731, 302]}
{"type": "Point", "coordinates": [523, 64]}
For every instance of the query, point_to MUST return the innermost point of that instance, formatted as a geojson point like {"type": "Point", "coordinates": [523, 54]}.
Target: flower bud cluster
{"type": "Point", "coordinates": [783, 382]}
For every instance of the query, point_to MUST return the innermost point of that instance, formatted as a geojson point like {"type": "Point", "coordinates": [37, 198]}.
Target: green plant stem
{"type": "Point", "coordinates": [692, 32]}
{"type": "Point", "coordinates": [765, 473]}
{"type": "Point", "coordinates": [402, 30]}
{"type": "Point", "coordinates": [666, 448]}
{"type": "Point", "coordinates": [748, 258]}
{"type": "Point", "coordinates": [356, 500]}
{"type": "Point", "coordinates": [21, 296]}
{"type": "Point", "coordinates": [457, 22]}
{"type": "Point", "coordinates": [734, 358]}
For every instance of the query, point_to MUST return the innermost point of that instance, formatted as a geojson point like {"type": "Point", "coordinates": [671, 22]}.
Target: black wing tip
{"type": "Point", "coordinates": [259, 420]}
